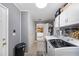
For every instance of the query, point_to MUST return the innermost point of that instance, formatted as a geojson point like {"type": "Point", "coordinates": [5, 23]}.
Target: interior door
{"type": "Point", "coordinates": [3, 31]}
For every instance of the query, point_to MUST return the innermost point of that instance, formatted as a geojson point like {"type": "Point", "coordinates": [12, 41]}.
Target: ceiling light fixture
{"type": "Point", "coordinates": [41, 5]}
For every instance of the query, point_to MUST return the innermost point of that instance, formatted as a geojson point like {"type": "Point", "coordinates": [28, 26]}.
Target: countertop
{"type": "Point", "coordinates": [50, 37]}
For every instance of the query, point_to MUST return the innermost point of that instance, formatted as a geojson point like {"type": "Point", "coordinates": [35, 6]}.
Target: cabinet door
{"type": "Point", "coordinates": [63, 19]}
{"type": "Point", "coordinates": [73, 14]}
{"type": "Point", "coordinates": [3, 31]}
{"type": "Point", "coordinates": [70, 15]}
{"type": "Point", "coordinates": [56, 23]}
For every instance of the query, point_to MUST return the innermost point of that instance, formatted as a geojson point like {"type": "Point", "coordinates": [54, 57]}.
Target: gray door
{"type": "Point", "coordinates": [3, 31]}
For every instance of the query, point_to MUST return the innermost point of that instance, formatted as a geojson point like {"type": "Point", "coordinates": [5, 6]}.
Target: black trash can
{"type": "Point", "coordinates": [20, 49]}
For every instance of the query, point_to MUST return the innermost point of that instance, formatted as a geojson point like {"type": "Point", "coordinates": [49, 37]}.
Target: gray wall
{"type": "Point", "coordinates": [27, 28]}
{"type": "Point", "coordinates": [24, 27]}
{"type": "Point", "coordinates": [31, 30]}
{"type": "Point", "coordinates": [14, 23]}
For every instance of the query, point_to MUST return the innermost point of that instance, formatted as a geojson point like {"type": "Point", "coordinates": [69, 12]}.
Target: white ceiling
{"type": "Point", "coordinates": [36, 13]}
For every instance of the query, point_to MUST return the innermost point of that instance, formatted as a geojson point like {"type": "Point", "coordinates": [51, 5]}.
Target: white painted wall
{"type": "Point", "coordinates": [27, 28]}
{"type": "Point", "coordinates": [14, 23]}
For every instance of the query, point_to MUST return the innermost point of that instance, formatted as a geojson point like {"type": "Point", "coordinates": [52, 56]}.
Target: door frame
{"type": "Point", "coordinates": [7, 18]}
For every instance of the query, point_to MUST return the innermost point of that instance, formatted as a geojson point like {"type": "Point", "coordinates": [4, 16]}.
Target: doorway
{"type": "Point", "coordinates": [43, 29]}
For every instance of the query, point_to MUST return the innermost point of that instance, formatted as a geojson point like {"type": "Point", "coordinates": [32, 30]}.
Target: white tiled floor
{"type": "Point", "coordinates": [37, 49]}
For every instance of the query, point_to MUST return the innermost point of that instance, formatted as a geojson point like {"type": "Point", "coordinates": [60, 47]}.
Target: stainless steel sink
{"type": "Point", "coordinates": [58, 43]}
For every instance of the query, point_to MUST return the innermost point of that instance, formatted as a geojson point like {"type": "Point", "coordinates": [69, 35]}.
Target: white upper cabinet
{"type": "Point", "coordinates": [56, 23]}
{"type": "Point", "coordinates": [63, 19]}
{"type": "Point", "coordinates": [73, 14]}
{"type": "Point", "coordinates": [70, 15]}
